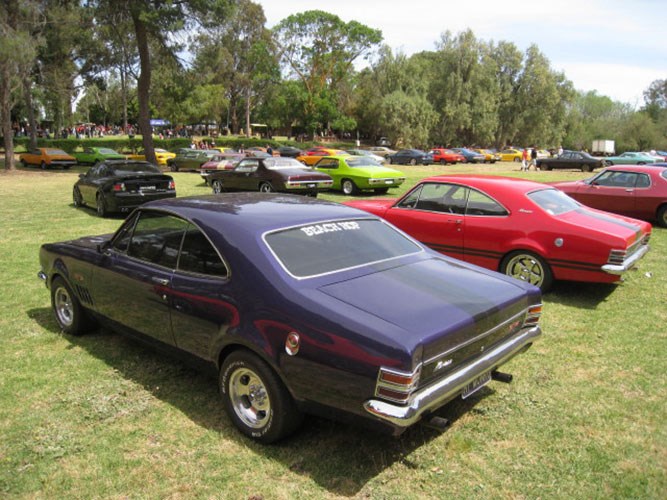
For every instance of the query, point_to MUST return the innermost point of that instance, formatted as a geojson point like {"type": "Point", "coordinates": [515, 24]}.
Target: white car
{"type": "Point", "coordinates": [368, 154]}
{"type": "Point", "coordinates": [381, 151]}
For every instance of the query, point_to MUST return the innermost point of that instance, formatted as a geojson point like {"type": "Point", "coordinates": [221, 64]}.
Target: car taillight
{"type": "Point", "coordinates": [396, 385]}
{"type": "Point", "coordinates": [533, 316]}
{"type": "Point", "coordinates": [172, 185]}
{"type": "Point", "coordinates": [617, 257]}
{"type": "Point", "coordinates": [119, 186]}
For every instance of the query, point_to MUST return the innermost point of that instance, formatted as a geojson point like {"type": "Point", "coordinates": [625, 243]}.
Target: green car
{"type": "Point", "coordinates": [352, 174]}
{"type": "Point", "coordinates": [94, 155]}
{"type": "Point", "coordinates": [629, 158]}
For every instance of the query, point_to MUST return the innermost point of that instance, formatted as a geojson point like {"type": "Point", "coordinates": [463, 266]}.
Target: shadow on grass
{"type": "Point", "coordinates": [340, 458]}
{"type": "Point", "coordinates": [579, 294]}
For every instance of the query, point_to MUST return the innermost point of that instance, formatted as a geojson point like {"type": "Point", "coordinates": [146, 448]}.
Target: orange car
{"type": "Point", "coordinates": [313, 155]}
{"type": "Point", "coordinates": [47, 158]}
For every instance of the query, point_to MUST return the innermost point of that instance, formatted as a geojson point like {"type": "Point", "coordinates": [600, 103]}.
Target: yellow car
{"type": "Point", "coordinates": [161, 156]}
{"type": "Point", "coordinates": [313, 155]}
{"type": "Point", "coordinates": [511, 155]}
{"type": "Point", "coordinates": [489, 156]}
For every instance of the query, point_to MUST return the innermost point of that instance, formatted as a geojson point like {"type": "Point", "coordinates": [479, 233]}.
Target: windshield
{"type": "Point", "coordinates": [278, 163]}
{"type": "Point", "coordinates": [328, 247]}
{"type": "Point", "coordinates": [107, 151]}
{"type": "Point", "coordinates": [553, 201]}
{"type": "Point", "coordinates": [135, 168]}
{"type": "Point", "coordinates": [361, 161]}
{"type": "Point", "coordinates": [55, 152]}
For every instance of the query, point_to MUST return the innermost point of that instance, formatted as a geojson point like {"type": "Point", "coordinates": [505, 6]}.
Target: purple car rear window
{"type": "Point", "coordinates": [328, 247]}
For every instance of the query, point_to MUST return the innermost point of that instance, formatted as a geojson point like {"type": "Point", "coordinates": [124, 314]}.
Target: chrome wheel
{"type": "Point", "coordinates": [528, 267]}
{"type": "Point", "coordinates": [63, 307]}
{"type": "Point", "coordinates": [265, 187]}
{"type": "Point", "coordinates": [349, 187]}
{"type": "Point", "coordinates": [78, 199]}
{"type": "Point", "coordinates": [249, 397]}
{"type": "Point", "coordinates": [217, 187]}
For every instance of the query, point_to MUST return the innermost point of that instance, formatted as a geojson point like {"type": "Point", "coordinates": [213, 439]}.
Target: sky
{"type": "Point", "coordinates": [615, 47]}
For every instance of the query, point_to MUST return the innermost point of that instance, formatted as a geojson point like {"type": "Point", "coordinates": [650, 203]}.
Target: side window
{"type": "Point", "coordinates": [410, 201]}
{"type": "Point", "coordinates": [643, 181]}
{"type": "Point", "coordinates": [157, 238]}
{"type": "Point", "coordinates": [613, 178]}
{"type": "Point", "coordinates": [481, 204]}
{"type": "Point", "coordinates": [446, 198]}
{"type": "Point", "coordinates": [327, 164]}
{"type": "Point", "coordinates": [199, 256]}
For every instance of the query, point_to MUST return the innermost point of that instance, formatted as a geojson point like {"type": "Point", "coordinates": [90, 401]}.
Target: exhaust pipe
{"type": "Point", "coordinates": [501, 377]}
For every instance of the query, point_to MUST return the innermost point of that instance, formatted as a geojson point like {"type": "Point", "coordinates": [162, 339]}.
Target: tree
{"type": "Point", "coordinates": [158, 22]}
{"type": "Point", "coordinates": [18, 50]}
{"type": "Point", "coordinates": [319, 49]}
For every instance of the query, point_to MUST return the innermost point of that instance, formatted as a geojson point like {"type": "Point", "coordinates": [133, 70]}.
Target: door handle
{"type": "Point", "coordinates": [160, 281]}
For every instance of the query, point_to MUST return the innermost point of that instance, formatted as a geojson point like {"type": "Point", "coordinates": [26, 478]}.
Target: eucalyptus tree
{"type": "Point", "coordinates": [162, 24]}
{"type": "Point", "coordinates": [319, 49]}
{"type": "Point", "coordinates": [18, 52]}
{"type": "Point", "coordinates": [506, 61]}
{"type": "Point", "coordinates": [238, 55]}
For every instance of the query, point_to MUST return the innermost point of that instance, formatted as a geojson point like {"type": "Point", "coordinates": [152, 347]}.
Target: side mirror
{"type": "Point", "coordinates": [81, 176]}
{"type": "Point", "coordinates": [103, 247]}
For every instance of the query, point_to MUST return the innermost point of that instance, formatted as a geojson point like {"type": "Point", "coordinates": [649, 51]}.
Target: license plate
{"type": "Point", "coordinates": [147, 188]}
{"type": "Point", "coordinates": [389, 182]}
{"type": "Point", "coordinates": [312, 185]}
{"type": "Point", "coordinates": [476, 385]}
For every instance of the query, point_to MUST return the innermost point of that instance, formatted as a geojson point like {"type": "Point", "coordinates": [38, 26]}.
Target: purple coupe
{"type": "Point", "coordinates": [301, 306]}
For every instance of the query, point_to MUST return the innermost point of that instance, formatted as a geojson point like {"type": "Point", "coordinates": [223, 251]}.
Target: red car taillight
{"type": "Point", "coordinates": [119, 186]}
{"type": "Point", "coordinates": [395, 385]}
{"type": "Point", "coordinates": [172, 185]}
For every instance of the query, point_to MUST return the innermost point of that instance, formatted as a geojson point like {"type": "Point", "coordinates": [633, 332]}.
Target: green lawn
{"type": "Point", "coordinates": [100, 416]}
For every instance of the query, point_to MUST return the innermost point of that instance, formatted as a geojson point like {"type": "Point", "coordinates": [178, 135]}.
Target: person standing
{"type": "Point", "coordinates": [524, 160]}
{"type": "Point", "coordinates": [533, 158]}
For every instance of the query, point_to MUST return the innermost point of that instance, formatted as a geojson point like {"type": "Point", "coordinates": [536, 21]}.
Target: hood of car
{"type": "Point", "coordinates": [434, 296]}
{"type": "Point", "coordinates": [378, 207]}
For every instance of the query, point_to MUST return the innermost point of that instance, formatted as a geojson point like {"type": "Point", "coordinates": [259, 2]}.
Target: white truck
{"type": "Point", "coordinates": [603, 147]}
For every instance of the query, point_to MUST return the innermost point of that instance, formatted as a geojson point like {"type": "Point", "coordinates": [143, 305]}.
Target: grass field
{"type": "Point", "coordinates": [103, 417]}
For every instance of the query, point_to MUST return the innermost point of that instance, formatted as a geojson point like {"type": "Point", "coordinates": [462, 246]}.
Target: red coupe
{"type": "Point", "coordinates": [524, 229]}
{"type": "Point", "coordinates": [445, 156]}
{"type": "Point", "coordinates": [635, 191]}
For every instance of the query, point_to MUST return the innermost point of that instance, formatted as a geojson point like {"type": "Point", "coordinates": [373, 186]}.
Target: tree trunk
{"type": "Point", "coordinates": [143, 86]}
{"type": "Point", "coordinates": [247, 112]}
{"type": "Point", "coordinates": [32, 123]}
{"type": "Point", "coordinates": [6, 113]}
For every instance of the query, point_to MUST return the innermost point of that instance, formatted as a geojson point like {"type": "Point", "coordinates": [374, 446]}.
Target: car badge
{"type": "Point", "coordinates": [442, 364]}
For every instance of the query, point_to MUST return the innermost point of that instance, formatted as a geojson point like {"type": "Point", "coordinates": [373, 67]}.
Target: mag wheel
{"type": "Point", "coordinates": [528, 267]}
{"type": "Point", "coordinates": [349, 187]}
{"type": "Point", "coordinates": [69, 313]}
{"type": "Point", "coordinates": [662, 216]}
{"type": "Point", "coordinates": [102, 210]}
{"type": "Point", "coordinates": [256, 399]}
{"type": "Point", "coordinates": [266, 187]}
{"type": "Point", "coordinates": [217, 186]}
{"type": "Point", "coordinates": [77, 198]}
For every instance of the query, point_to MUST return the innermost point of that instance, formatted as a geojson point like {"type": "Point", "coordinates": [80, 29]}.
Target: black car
{"type": "Point", "coordinates": [191, 159]}
{"type": "Point", "coordinates": [289, 151]}
{"type": "Point", "coordinates": [470, 156]}
{"type": "Point", "coordinates": [270, 174]}
{"type": "Point", "coordinates": [410, 157]}
{"type": "Point", "coordinates": [121, 185]}
{"type": "Point", "coordinates": [571, 159]}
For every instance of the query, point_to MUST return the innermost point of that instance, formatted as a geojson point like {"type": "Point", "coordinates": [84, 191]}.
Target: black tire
{"type": "Point", "coordinates": [517, 160]}
{"type": "Point", "coordinates": [608, 163]}
{"type": "Point", "coordinates": [217, 186]}
{"type": "Point", "coordinates": [77, 198]}
{"type": "Point", "coordinates": [173, 168]}
{"type": "Point", "coordinates": [413, 162]}
{"type": "Point", "coordinates": [70, 315]}
{"type": "Point", "coordinates": [349, 187]}
{"type": "Point", "coordinates": [102, 209]}
{"type": "Point", "coordinates": [641, 163]}
{"type": "Point", "coordinates": [266, 187]}
{"type": "Point", "coordinates": [526, 266]}
{"type": "Point", "coordinates": [661, 216]}
{"type": "Point", "coordinates": [381, 190]}
{"type": "Point", "coordinates": [255, 398]}
{"type": "Point", "coordinates": [586, 168]}
{"type": "Point", "coordinates": [43, 166]}
{"type": "Point", "coordinates": [443, 162]}
{"type": "Point", "coordinates": [389, 160]}
{"type": "Point", "coordinates": [24, 164]}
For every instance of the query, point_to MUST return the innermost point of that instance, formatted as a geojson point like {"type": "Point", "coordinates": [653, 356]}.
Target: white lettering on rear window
{"type": "Point", "coordinates": [330, 228]}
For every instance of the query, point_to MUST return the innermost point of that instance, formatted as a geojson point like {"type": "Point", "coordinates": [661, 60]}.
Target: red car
{"type": "Point", "coordinates": [636, 191]}
{"type": "Point", "coordinates": [524, 229]}
{"type": "Point", "coordinates": [445, 156]}
{"type": "Point", "coordinates": [223, 161]}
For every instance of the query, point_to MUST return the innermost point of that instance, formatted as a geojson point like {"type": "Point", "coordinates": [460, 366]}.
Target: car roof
{"type": "Point", "coordinates": [489, 182]}
{"type": "Point", "coordinates": [637, 168]}
{"type": "Point", "coordinates": [251, 212]}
